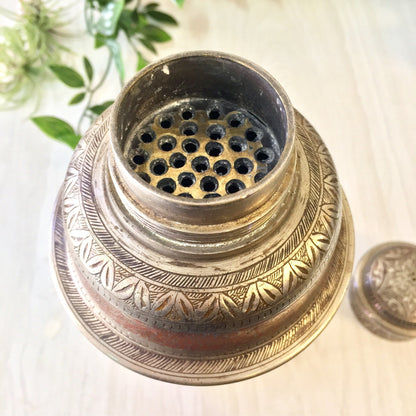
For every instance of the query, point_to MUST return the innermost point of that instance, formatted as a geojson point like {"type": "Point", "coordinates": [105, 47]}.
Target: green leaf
{"type": "Point", "coordinates": [110, 13]}
{"type": "Point", "coordinates": [151, 6]}
{"type": "Point", "coordinates": [98, 109]}
{"type": "Point", "coordinates": [141, 62]}
{"type": "Point", "coordinates": [77, 98]}
{"type": "Point", "coordinates": [162, 18]}
{"type": "Point", "coordinates": [115, 50]}
{"type": "Point", "coordinates": [126, 22]}
{"type": "Point", "coordinates": [155, 34]}
{"type": "Point", "coordinates": [57, 129]}
{"type": "Point", "coordinates": [141, 22]}
{"type": "Point", "coordinates": [149, 45]}
{"type": "Point", "coordinates": [88, 68]}
{"type": "Point", "coordinates": [71, 140]}
{"type": "Point", "coordinates": [68, 76]}
{"type": "Point", "coordinates": [99, 40]}
{"type": "Point", "coordinates": [179, 2]}
{"type": "Point", "coordinates": [101, 3]}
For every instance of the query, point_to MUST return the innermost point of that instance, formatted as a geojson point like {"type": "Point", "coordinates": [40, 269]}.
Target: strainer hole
{"type": "Point", "coordinates": [187, 114]}
{"type": "Point", "coordinates": [264, 155]}
{"type": "Point", "coordinates": [186, 179]}
{"type": "Point", "coordinates": [190, 145]}
{"type": "Point", "coordinates": [188, 129]}
{"type": "Point", "coordinates": [253, 134]}
{"type": "Point", "coordinates": [167, 143]}
{"type": "Point", "coordinates": [222, 167]}
{"type": "Point", "coordinates": [214, 149]}
{"type": "Point", "coordinates": [234, 186]}
{"type": "Point", "coordinates": [236, 120]}
{"type": "Point", "coordinates": [167, 185]}
{"type": "Point", "coordinates": [140, 157]}
{"type": "Point", "coordinates": [166, 147]}
{"type": "Point", "coordinates": [216, 132]}
{"type": "Point", "coordinates": [209, 184]}
{"type": "Point", "coordinates": [145, 176]}
{"type": "Point", "coordinates": [166, 121]}
{"type": "Point", "coordinates": [238, 144]}
{"type": "Point", "coordinates": [158, 167]}
{"type": "Point", "coordinates": [148, 136]}
{"type": "Point", "coordinates": [185, 195]}
{"type": "Point", "coordinates": [214, 114]}
{"type": "Point", "coordinates": [259, 176]}
{"type": "Point", "coordinates": [243, 165]}
{"type": "Point", "coordinates": [200, 164]}
{"type": "Point", "coordinates": [213, 195]}
{"type": "Point", "coordinates": [177, 160]}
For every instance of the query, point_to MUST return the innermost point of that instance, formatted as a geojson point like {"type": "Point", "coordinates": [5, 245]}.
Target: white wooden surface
{"type": "Point", "coordinates": [350, 68]}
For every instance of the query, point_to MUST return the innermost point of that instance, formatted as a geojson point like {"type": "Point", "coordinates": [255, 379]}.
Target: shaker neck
{"type": "Point", "coordinates": [148, 203]}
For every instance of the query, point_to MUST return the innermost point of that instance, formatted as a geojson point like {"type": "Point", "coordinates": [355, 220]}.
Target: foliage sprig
{"type": "Point", "coordinates": [32, 49]}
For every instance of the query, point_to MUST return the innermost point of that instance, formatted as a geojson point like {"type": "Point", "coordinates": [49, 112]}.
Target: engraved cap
{"type": "Point", "coordinates": [383, 292]}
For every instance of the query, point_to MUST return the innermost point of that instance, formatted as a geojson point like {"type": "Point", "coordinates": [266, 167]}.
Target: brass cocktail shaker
{"type": "Point", "coordinates": [201, 235]}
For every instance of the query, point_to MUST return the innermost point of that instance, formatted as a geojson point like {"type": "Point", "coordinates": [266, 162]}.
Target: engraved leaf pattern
{"type": "Point", "coordinates": [164, 304]}
{"type": "Point", "coordinates": [96, 263]}
{"type": "Point", "coordinates": [175, 302]}
{"type": "Point", "coordinates": [78, 236]}
{"type": "Point", "coordinates": [72, 217]}
{"type": "Point", "coordinates": [228, 306]}
{"type": "Point", "coordinates": [292, 272]}
{"type": "Point", "coordinates": [332, 185]}
{"type": "Point", "coordinates": [79, 150]}
{"type": "Point", "coordinates": [329, 214]}
{"type": "Point", "coordinates": [261, 290]}
{"type": "Point", "coordinates": [210, 308]}
{"type": "Point", "coordinates": [125, 288]}
{"type": "Point", "coordinates": [85, 249]}
{"type": "Point", "coordinates": [142, 296]}
{"type": "Point", "coordinates": [325, 156]}
{"type": "Point", "coordinates": [316, 245]}
{"type": "Point", "coordinates": [251, 299]}
{"type": "Point", "coordinates": [107, 275]}
{"type": "Point", "coordinates": [71, 180]}
{"type": "Point", "coordinates": [183, 306]}
{"type": "Point", "coordinates": [268, 292]}
{"type": "Point", "coordinates": [71, 209]}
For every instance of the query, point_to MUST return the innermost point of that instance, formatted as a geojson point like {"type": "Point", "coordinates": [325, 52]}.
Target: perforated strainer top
{"type": "Point", "coordinates": [202, 149]}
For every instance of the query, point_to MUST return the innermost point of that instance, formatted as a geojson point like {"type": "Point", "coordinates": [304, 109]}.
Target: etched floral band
{"type": "Point", "coordinates": [201, 235]}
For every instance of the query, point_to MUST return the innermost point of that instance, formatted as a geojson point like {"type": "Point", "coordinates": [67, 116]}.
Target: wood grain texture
{"type": "Point", "coordinates": [350, 68]}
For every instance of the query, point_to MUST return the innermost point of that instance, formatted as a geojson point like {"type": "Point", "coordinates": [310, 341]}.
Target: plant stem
{"type": "Point", "coordinates": [105, 74]}
{"type": "Point", "coordinates": [91, 92]}
{"type": "Point", "coordinates": [87, 18]}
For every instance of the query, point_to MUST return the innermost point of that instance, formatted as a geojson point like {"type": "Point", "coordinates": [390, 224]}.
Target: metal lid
{"type": "Point", "coordinates": [383, 294]}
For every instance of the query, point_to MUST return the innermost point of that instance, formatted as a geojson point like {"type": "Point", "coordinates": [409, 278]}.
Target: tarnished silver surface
{"type": "Point", "coordinates": [383, 292]}
{"type": "Point", "coordinates": [199, 290]}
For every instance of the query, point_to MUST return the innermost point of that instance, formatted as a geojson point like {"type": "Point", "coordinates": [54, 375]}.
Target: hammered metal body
{"type": "Point", "coordinates": [201, 291]}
